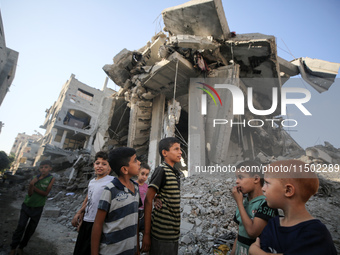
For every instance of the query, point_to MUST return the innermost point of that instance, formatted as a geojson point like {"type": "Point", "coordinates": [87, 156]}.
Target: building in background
{"type": "Point", "coordinates": [25, 149]}
{"type": "Point", "coordinates": [72, 121]}
{"type": "Point", "coordinates": [8, 64]}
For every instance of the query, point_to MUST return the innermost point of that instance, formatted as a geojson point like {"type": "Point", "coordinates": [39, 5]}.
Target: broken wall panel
{"type": "Point", "coordinates": [203, 18]}
{"type": "Point", "coordinates": [318, 73]}
{"type": "Point", "coordinates": [199, 45]}
{"type": "Point", "coordinates": [163, 75]}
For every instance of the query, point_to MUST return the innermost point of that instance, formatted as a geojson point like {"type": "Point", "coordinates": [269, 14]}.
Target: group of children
{"type": "Point", "coordinates": [116, 209]}
{"type": "Point", "coordinates": [261, 229]}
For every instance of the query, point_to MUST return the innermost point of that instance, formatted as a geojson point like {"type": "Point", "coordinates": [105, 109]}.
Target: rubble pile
{"type": "Point", "coordinates": [207, 214]}
{"type": "Point", "coordinates": [207, 206]}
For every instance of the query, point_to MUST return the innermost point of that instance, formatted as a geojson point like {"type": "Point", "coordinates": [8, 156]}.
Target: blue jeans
{"type": "Point", "coordinates": [31, 214]}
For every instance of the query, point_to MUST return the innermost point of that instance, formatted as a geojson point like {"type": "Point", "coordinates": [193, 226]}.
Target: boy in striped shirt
{"type": "Point", "coordinates": [115, 229]}
{"type": "Point", "coordinates": [162, 229]}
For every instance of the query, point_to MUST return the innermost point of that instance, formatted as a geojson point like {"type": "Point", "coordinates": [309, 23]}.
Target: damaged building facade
{"type": "Point", "coordinates": [73, 120]}
{"type": "Point", "coordinates": [164, 84]}
{"type": "Point", "coordinates": [8, 65]}
{"type": "Point", "coordinates": [25, 148]}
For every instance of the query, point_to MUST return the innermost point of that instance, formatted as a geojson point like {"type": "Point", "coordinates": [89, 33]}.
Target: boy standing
{"type": "Point", "coordinates": [253, 213]}
{"type": "Point", "coordinates": [115, 229]}
{"type": "Point", "coordinates": [32, 207]}
{"type": "Point", "coordinates": [297, 232]}
{"type": "Point", "coordinates": [84, 218]}
{"type": "Point", "coordinates": [161, 236]}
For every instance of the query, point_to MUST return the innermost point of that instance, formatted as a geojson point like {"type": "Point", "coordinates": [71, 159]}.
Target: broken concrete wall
{"type": "Point", "coordinates": [202, 18]}
{"type": "Point", "coordinates": [8, 64]}
{"type": "Point", "coordinates": [198, 44]}
{"type": "Point", "coordinates": [72, 122]}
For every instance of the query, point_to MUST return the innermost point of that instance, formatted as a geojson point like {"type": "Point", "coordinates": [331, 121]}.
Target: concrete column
{"type": "Point", "coordinates": [132, 124]}
{"type": "Point", "coordinates": [219, 136]}
{"type": "Point", "coordinates": [158, 106]}
{"type": "Point", "coordinates": [63, 139]}
{"type": "Point", "coordinates": [173, 115]}
{"type": "Point", "coordinates": [196, 139]}
{"type": "Point", "coordinates": [88, 145]}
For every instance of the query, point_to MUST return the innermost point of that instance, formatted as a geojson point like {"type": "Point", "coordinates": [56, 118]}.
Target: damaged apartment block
{"type": "Point", "coordinates": [158, 94]}
{"type": "Point", "coordinates": [73, 121]}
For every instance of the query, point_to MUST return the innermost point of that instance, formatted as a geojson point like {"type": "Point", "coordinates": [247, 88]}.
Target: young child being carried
{"type": "Point", "coordinates": [297, 232]}
{"type": "Point", "coordinates": [115, 228]}
{"type": "Point", "coordinates": [252, 213]}
{"type": "Point", "coordinates": [84, 218]}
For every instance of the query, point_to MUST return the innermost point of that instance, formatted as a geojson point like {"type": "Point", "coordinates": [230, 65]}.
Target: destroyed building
{"type": "Point", "coordinates": [25, 148]}
{"type": "Point", "coordinates": [8, 64]}
{"type": "Point", "coordinates": [72, 121]}
{"type": "Point", "coordinates": [159, 96]}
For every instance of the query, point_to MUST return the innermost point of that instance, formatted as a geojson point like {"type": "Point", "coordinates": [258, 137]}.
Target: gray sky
{"type": "Point", "coordinates": [57, 38]}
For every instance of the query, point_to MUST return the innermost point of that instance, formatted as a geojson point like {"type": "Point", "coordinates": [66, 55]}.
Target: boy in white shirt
{"type": "Point", "coordinates": [84, 218]}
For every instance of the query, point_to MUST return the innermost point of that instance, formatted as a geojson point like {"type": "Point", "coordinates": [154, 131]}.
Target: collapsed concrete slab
{"type": "Point", "coordinates": [161, 75]}
{"type": "Point", "coordinates": [318, 73]}
{"type": "Point", "coordinates": [198, 17]}
{"type": "Point", "coordinates": [150, 54]}
{"type": "Point", "coordinates": [164, 73]}
{"type": "Point", "coordinates": [194, 42]}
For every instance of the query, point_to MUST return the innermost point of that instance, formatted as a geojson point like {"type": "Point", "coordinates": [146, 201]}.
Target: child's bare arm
{"type": "Point", "coordinates": [78, 218]}
{"type": "Point", "coordinates": [41, 192]}
{"type": "Point", "coordinates": [97, 231]}
{"type": "Point", "coordinates": [255, 249]}
{"type": "Point", "coordinates": [234, 247]}
{"type": "Point", "coordinates": [253, 227]}
{"type": "Point", "coordinates": [31, 186]}
{"type": "Point", "coordinates": [147, 218]}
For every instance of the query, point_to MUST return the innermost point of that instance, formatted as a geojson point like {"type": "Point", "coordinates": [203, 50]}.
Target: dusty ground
{"type": "Point", "coordinates": [50, 238]}
{"type": "Point", "coordinates": [53, 238]}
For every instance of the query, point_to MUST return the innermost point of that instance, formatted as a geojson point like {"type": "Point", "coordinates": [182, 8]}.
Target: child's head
{"type": "Point", "coordinates": [101, 154]}
{"type": "Point", "coordinates": [249, 176]}
{"type": "Point", "coordinates": [45, 167]}
{"type": "Point", "coordinates": [123, 160]}
{"type": "Point", "coordinates": [101, 164]}
{"type": "Point", "coordinates": [291, 179]}
{"type": "Point", "coordinates": [170, 150]}
{"type": "Point", "coordinates": [144, 172]}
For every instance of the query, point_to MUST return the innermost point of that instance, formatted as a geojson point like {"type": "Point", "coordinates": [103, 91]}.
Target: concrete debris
{"type": "Point", "coordinates": [51, 212]}
{"type": "Point", "coordinates": [207, 207]}
{"type": "Point", "coordinates": [318, 73]}
{"type": "Point", "coordinates": [203, 18]}
{"type": "Point", "coordinates": [197, 44]}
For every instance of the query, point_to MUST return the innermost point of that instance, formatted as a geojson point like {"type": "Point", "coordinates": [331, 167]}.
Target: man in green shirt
{"type": "Point", "coordinates": [32, 207]}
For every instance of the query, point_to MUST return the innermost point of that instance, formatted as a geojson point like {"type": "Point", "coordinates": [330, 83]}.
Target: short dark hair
{"type": "Point", "coordinates": [46, 162]}
{"type": "Point", "coordinates": [144, 165]}
{"type": "Point", "coordinates": [101, 154]}
{"type": "Point", "coordinates": [254, 167]}
{"type": "Point", "coordinates": [166, 143]}
{"type": "Point", "coordinates": [120, 157]}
